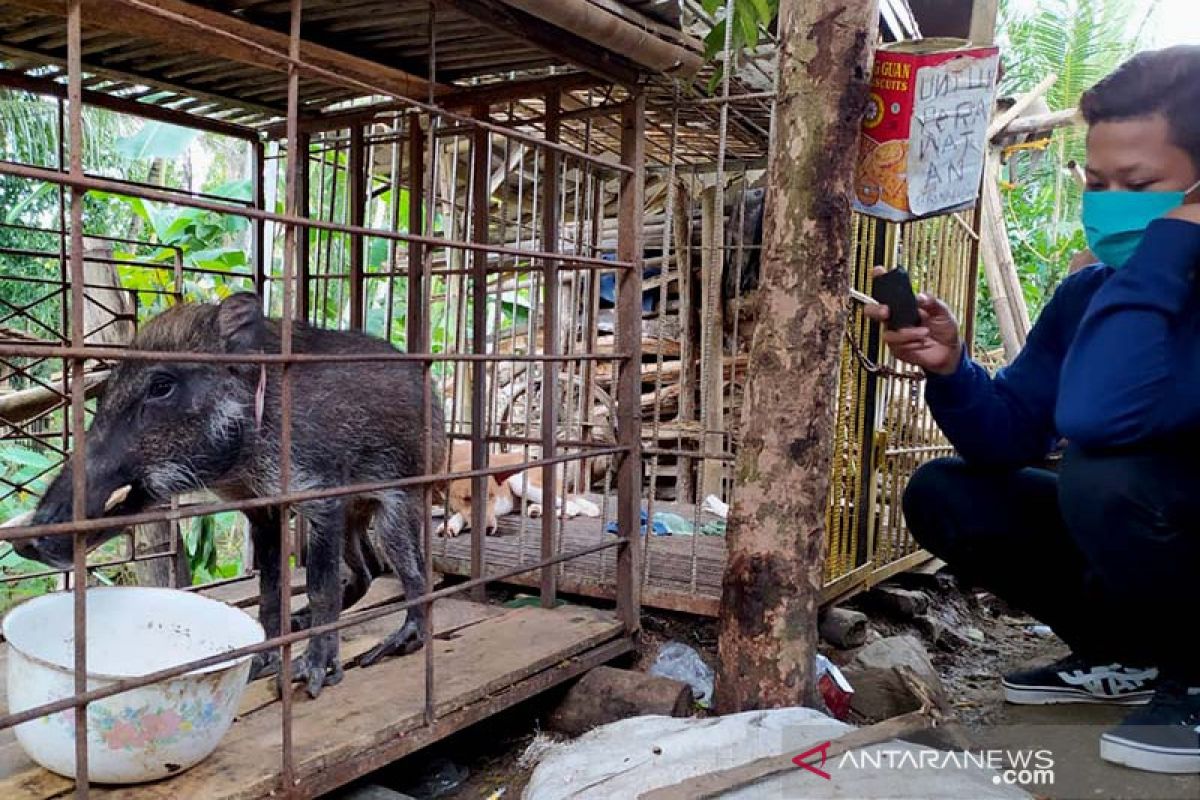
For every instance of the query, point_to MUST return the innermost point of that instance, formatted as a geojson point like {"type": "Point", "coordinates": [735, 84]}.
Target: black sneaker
{"type": "Point", "coordinates": [1162, 737]}
{"type": "Point", "coordinates": [1072, 680]}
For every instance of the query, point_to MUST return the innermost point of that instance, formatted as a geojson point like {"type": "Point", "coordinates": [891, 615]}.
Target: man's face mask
{"type": "Point", "coordinates": [1114, 222]}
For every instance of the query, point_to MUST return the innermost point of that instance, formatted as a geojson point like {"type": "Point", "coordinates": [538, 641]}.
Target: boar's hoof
{"type": "Point", "coordinates": [264, 664]}
{"type": "Point", "coordinates": [319, 666]}
{"type": "Point", "coordinates": [402, 642]}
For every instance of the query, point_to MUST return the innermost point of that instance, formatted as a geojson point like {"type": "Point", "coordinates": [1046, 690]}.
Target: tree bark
{"type": "Point", "coordinates": [776, 539]}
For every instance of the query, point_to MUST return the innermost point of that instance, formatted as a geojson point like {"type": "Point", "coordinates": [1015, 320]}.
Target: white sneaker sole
{"type": "Point", "coordinates": [1050, 695]}
{"type": "Point", "coordinates": [1147, 757]}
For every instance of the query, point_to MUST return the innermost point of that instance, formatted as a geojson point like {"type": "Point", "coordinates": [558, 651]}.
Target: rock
{"type": "Point", "coordinates": [974, 634]}
{"type": "Point", "coordinates": [931, 628]}
{"type": "Point", "coordinates": [904, 603]}
{"type": "Point", "coordinates": [879, 692]}
{"type": "Point", "coordinates": [942, 635]}
{"type": "Point", "coordinates": [607, 694]}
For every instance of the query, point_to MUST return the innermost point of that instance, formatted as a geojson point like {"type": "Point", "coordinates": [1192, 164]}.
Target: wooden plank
{"type": "Point", "coordinates": [42, 86]}
{"type": "Point", "coordinates": [244, 592]}
{"type": "Point", "coordinates": [450, 615]}
{"type": "Point", "coordinates": [354, 716]}
{"type": "Point", "coordinates": [583, 54]}
{"type": "Point", "coordinates": [21, 779]}
{"type": "Point", "coordinates": [194, 27]}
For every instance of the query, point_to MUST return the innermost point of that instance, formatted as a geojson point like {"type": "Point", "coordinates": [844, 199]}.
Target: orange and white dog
{"type": "Point", "coordinates": [503, 491]}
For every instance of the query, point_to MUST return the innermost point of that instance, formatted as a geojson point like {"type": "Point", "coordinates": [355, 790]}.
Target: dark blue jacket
{"type": "Point", "coordinates": [1113, 360]}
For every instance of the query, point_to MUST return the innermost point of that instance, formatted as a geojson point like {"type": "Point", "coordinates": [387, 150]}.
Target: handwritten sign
{"type": "Point", "coordinates": [951, 110]}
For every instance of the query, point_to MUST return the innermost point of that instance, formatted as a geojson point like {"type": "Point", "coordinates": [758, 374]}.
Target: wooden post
{"type": "Point", "coordinates": [304, 309]}
{"type": "Point", "coordinates": [550, 344]}
{"type": "Point", "coordinates": [414, 336]}
{"type": "Point", "coordinates": [358, 202]}
{"type": "Point", "coordinates": [259, 227]}
{"type": "Point", "coordinates": [776, 539]}
{"type": "Point", "coordinates": [688, 330]}
{"type": "Point", "coordinates": [712, 327]}
{"type": "Point", "coordinates": [481, 165]}
{"type": "Point", "coordinates": [999, 267]}
{"type": "Point", "coordinates": [630, 232]}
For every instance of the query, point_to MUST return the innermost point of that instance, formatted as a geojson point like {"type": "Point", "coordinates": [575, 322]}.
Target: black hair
{"type": "Point", "coordinates": [1163, 82]}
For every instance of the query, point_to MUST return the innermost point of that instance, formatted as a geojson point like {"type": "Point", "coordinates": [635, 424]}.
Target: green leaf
{"type": "Point", "coordinates": [748, 27]}
{"type": "Point", "coordinates": [25, 202]}
{"type": "Point", "coordinates": [763, 10]}
{"type": "Point", "coordinates": [156, 140]}
{"type": "Point", "coordinates": [377, 252]}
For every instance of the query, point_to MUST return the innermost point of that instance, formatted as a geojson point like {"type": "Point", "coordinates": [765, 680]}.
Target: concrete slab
{"type": "Point", "coordinates": [627, 758]}
{"type": "Point", "coordinates": [1071, 733]}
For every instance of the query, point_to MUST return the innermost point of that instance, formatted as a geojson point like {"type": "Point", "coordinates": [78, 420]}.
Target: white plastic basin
{"type": "Point", "coordinates": [146, 733]}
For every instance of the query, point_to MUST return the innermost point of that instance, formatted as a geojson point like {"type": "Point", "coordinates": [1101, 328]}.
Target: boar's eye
{"type": "Point", "coordinates": [161, 387]}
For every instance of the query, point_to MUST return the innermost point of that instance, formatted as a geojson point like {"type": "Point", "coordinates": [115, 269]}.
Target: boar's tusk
{"type": "Point", "coordinates": [117, 497]}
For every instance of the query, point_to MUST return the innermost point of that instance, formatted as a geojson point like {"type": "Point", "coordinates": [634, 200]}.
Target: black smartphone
{"type": "Point", "coordinates": [894, 290]}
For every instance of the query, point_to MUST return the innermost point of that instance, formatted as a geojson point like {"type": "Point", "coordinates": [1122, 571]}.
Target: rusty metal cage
{"type": "Point", "coordinates": [570, 259]}
{"type": "Point", "coordinates": [514, 202]}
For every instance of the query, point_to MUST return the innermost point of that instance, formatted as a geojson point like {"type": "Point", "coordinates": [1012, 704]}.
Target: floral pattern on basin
{"type": "Point", "coordinates": [131, 728]}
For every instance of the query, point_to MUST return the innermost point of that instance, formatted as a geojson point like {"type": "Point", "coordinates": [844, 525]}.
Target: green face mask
{"type": "Point", "coordinates": [1114, 222]}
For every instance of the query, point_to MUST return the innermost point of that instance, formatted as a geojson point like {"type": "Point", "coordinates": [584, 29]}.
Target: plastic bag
{"type": "Point", "coordinates": [439, 778]}
{"type": "Point", "coordinates": [834, 689]}
{"type": "Point", "coordinates": [679, 662]}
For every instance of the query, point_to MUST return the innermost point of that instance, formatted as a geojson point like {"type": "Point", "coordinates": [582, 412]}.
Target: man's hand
{"type": "Point", "coordinates": [935, 346]}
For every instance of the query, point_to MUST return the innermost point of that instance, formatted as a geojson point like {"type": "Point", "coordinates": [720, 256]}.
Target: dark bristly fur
{"type": "Point", "coordinates": [168, 428]}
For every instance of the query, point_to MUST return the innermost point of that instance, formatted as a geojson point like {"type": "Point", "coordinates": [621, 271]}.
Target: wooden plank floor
{"type": "Point", "coordinates": [486, 658]}
{"type": "Point", "coordinates": [670, 581]}
{"type": "Point", "coordinates": [681, 572]}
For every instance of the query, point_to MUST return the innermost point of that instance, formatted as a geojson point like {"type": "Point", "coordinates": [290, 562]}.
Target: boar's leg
{"type": "Point", "coordinates": [264, 533]}
{"type": "Point", "coordinates": [361, 562]}
{"type": "Point", "coordinates": [320, 665]}
{"type": "Point", "coordinates": [398, 525]}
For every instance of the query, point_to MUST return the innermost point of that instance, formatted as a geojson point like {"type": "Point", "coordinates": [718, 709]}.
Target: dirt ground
{"type": "Point", "coordinates": [977, 640]}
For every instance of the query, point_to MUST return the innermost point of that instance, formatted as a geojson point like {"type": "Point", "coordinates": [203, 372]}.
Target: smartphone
{"type": "Point", "coordinates": [894, 290]}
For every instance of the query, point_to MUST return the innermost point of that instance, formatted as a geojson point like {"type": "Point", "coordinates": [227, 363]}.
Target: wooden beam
{"type": "Point", "coordinates": [983, 21]}
{"type": "Point", "coordinates": [159, 85]}
{"type": "Point", "coordinates": [49, 88]}
{"type": "Point", "coordinates": [1043, 123]}
{"type": "Point", "coordinates": [616, 33]}
{"type": "Point", "coordinates": [454, 98]}
{"type": "Point", "coordinates": [776, 536]}
{"type": "Point", "coordinates": [578, 51]}
{"type": "Point", "coordinates": [998, 125]}
{"type": "Point", "coordinates": [630, 247]}
{"type": "Point", "coordinates": [187, 26]}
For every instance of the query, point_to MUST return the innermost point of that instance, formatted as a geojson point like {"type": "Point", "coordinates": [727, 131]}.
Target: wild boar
{"type": "Point", "coordinates": [164, 428]}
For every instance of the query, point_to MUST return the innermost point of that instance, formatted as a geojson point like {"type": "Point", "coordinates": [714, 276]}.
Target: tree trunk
{"type": "Point", "coordinates": [776, 538]}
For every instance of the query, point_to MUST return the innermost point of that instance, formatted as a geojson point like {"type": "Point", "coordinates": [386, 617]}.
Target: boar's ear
{"type": "Point", "coordinates": [240, 323]}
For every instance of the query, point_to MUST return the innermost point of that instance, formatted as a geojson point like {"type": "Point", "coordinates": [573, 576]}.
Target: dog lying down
{"type": "Point", "coordinates": [503, 492]}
